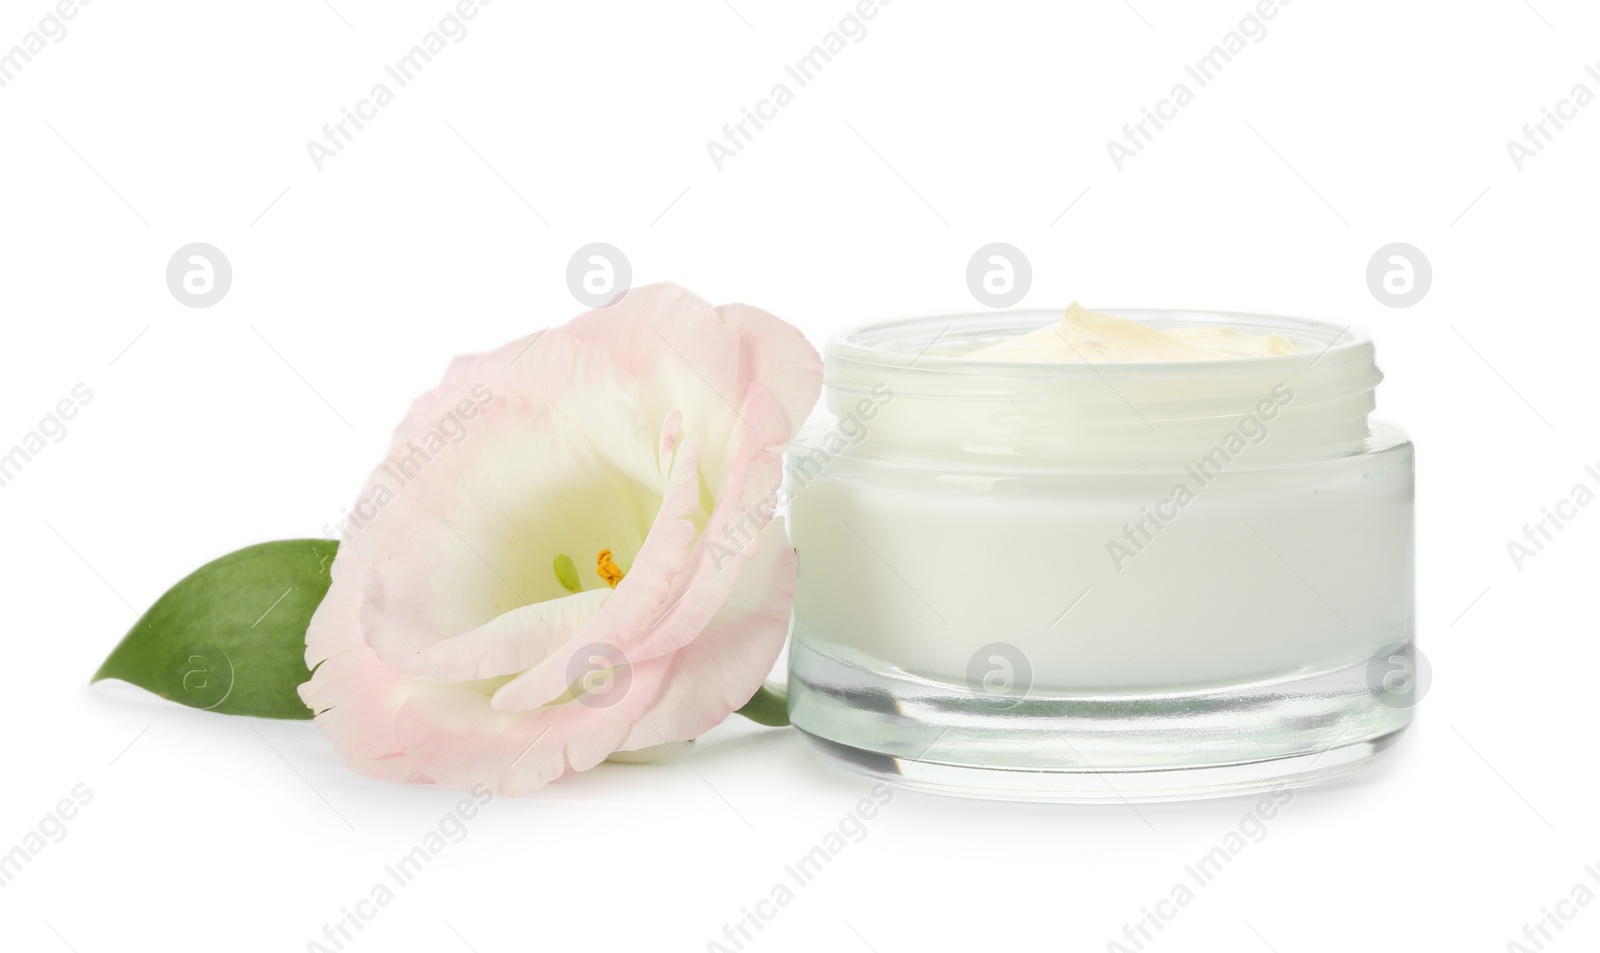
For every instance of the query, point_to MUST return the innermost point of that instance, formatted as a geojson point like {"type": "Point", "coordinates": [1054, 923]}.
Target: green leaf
{"type": "Point", "coordinates": [231, 636]}
{"type": "Point", "coordinates": [768, 706]}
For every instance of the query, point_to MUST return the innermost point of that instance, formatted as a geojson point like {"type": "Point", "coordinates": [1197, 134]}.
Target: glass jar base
{"type": "Point", "coordinates": [1293, 729]}
{"type": "Point", "coordinates": [1105, 787]}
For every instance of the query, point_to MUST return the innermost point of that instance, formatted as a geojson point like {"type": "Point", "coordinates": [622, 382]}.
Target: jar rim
{"type": "Point", "coordinates": [915, 343]}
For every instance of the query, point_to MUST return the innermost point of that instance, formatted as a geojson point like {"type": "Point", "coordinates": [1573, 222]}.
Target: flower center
{"type": "Point", "coordinates": [604, 566]}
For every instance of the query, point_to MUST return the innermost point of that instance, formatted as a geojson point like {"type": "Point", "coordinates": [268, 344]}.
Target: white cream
{"type": "Point", "coordinates": [1084, 336]}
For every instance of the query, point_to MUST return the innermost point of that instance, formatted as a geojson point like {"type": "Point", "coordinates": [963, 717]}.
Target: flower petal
{"type": "Point", "coordinates": [776, 355]}
{"type": "Point", "coordinates": [454, 734]}
{"type": "Point", "coordinates": [722, 668]}
{"type": "Point", "coordinates": [512, 642]}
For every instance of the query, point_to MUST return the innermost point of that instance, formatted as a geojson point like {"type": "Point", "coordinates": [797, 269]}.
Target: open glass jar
{"type": "Point", "coordinates": [1096, 582]}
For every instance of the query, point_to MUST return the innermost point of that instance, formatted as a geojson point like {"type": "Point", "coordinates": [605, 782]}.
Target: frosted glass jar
{"type": "Point", "coordinates": [1101, 581]}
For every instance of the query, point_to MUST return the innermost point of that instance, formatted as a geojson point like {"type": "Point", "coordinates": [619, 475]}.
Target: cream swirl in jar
{"type": "Point", "coordinates": [1083, 336]}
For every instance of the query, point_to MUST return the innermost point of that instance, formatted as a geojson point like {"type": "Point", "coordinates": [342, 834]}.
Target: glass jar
{"type": "Point", "coordinates": [1101, 581]}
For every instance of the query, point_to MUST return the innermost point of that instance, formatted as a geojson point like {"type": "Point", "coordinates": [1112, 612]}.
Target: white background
{"type": "Point", "coordinates": [947, 127]}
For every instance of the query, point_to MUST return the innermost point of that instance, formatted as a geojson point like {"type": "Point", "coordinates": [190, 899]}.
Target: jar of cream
{"type": "Point", "coordinates": [1139, 555]}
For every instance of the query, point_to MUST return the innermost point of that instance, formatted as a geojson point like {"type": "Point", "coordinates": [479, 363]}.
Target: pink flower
{"type": "Point", "coordinates": [472, 633]}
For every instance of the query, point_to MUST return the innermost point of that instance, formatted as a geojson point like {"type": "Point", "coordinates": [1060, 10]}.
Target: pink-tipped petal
{"type": "Point", "coordinates": [721, 669]}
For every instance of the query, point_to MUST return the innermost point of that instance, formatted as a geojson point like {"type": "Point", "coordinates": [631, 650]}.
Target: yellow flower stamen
{"type": "Point", "coordinates": [607, 569]}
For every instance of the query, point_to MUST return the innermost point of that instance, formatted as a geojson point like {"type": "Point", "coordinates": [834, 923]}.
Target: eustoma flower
{"type": "Point", "coordinates": [588, 564]}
